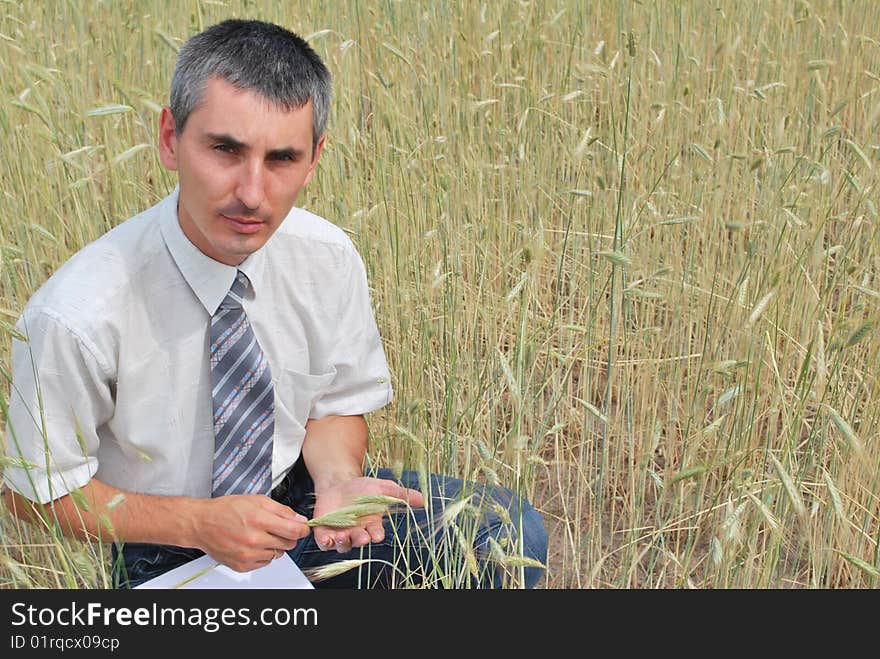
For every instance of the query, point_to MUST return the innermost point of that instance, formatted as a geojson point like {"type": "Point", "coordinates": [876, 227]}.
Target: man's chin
{"type": "Point", "coordinates": [237, 250]}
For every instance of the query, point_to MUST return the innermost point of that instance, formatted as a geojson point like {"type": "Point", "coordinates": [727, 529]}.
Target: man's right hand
{"type": "Point", "coordinates": [243, 531]}
{"type": "Point", "coordinates": [247, 531]}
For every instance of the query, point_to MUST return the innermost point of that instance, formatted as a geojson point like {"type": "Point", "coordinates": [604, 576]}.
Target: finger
{"type": "Point", "coordinates": [290, 537]}
{"type": "Point", "coordinates": [325, 540]}
{"type": "Point", "coordinates": [280, 509]}
{"type": "Point", "coordinates": [359, 537]}
{"type": "Point", "coordinates": [264, 560]}
{"type": "Point", "coordinates": [282, 544]}
{"type": "Point", "coordinates": [291, 527]}
{"type": "Point", "coordinates": [376, 531]}
{"type": "Point", "coordinates": [343, 544]}
{"type": "Point", "coordinates": [413, 497]}
{"type": "Point", "coordinates": [301, 530]}
{"type": "Point", "coordinates": [283, 511]}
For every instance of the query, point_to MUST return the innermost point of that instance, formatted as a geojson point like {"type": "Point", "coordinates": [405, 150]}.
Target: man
{"type": "Point", "coordinates": [196, 380]}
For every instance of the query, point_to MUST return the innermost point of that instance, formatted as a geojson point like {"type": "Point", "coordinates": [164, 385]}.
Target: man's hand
{"type": "Point", "coordinates": [369, 529]}
{"type": "Point", "coordinates": [243, 531]}
{"type": "Point", "coordinates": [247, 531]}
{"type": "Point", "coordinates": [333, 451]}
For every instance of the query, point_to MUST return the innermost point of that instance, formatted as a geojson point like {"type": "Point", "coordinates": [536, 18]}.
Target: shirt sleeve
{"type": "Point", "coordinates": [362, 381]}
{"type": "Point", "coordinates": [60, 396]}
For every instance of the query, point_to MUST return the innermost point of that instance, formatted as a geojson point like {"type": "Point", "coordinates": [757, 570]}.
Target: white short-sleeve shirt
{"type": "Point", "coordinates": [114, 381]}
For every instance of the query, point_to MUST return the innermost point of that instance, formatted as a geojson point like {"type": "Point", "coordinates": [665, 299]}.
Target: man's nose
{"type": "Point", "coordinates": [251, 185]}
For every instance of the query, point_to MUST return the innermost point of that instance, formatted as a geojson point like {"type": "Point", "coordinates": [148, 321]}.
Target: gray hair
{"type": "Point", "coordinates": [262, 57]}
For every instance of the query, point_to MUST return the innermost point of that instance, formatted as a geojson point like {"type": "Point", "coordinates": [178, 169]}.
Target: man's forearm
{"type": "Point", "coordinates": [97, 511]}
{"type": "Point", "coordinates": [334, 449]}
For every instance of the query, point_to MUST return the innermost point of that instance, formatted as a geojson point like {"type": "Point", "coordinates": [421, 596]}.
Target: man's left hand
{"type": "Point", "coordinates": [369, 528]}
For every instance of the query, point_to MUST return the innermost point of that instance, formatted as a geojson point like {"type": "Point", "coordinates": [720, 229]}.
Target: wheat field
{"type": "Point", "coordinates": [624, 256]}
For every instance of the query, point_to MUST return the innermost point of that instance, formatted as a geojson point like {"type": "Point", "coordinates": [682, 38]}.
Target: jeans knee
{"type": "Point", "coordinates": [520, 532]}
{"type": "Point", "coordinates": [534, 544]}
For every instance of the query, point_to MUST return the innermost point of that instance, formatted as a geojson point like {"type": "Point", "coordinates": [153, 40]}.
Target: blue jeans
{"type": "Point", "coordinates": [422, 546]}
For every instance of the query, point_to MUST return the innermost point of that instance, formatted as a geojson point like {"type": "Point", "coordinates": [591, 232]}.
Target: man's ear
{"type": "Point", "coordinates": [167, 140]}
{"type": "Point", "coordinates": [318, 148]}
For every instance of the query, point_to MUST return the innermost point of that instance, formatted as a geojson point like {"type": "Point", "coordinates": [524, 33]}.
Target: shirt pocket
{"type": "Point", "coordinates": [296, 392]}
{"type": "Point", "coordinates": [144, 411]}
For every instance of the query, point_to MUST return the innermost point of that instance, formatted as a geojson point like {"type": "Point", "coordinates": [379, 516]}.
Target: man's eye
{"type": "Point", "coordinates": [224, 148]}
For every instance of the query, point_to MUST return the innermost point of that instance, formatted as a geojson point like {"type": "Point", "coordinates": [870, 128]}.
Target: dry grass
{"type": "Point", "coordinates": [624, 256]}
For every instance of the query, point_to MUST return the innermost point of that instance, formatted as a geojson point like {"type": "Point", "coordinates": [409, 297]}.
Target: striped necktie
{"type": "Point", "coordinates": [244, 401]}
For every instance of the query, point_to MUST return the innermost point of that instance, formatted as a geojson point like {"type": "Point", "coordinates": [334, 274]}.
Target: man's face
{"type": "Point", "coordinates": [241, 163]}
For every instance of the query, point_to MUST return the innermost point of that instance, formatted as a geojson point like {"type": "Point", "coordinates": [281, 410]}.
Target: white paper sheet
{"type": "Point", "coordinates": [205, 572]}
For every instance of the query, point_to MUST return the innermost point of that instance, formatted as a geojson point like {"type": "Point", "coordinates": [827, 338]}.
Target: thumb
{"type": "Point", "coordinates": [413, 497]}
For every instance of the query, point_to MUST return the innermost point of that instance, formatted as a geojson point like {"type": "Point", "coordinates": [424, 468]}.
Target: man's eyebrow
{"type": "Point", "coordinates": [289, 153]}
{"type": "Point", "coordinates": [225, 139]}
{"type": "Point", "coordinates": [275, 154]}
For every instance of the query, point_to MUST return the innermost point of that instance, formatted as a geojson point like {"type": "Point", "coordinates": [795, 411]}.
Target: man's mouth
{"type": "Point", "coordinates": [243, 224]}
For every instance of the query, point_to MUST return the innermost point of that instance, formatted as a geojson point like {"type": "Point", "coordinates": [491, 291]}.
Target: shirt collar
{"type": "Point", "coordinates": [210, 280]}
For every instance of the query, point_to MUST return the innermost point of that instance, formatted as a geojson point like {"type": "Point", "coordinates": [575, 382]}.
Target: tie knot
{"type": "Point", "coordinates": [236, 292]}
